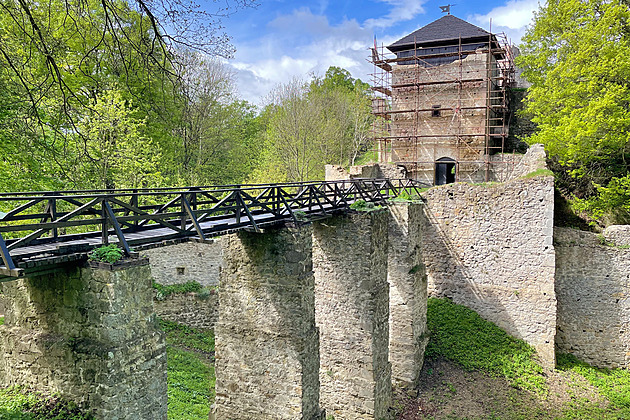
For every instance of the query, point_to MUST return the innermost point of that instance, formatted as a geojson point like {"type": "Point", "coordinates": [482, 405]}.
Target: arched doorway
{"type": "Point", "coordinates": [444, 171]}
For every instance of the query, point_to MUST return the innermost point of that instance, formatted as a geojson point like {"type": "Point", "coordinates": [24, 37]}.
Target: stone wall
{"type": "Point", "coordinates": [352, 311]}
{"type": "Point", "coordinates": [187, 261]}
{"type": "Point", "coordinates": [407, 279]}
{"type": "Point", "coordinates": [267, 358]}
{"type": "Point", "coordinates": [189, 309]}
{"type": "Point", "coordinates": [593, 291]}
{"type": "Point", "coordinates": [90, 335]}
{"type": "Point", "coordinates": [373, 170]}
{"type": "Point", "coordinates": [490, 247]}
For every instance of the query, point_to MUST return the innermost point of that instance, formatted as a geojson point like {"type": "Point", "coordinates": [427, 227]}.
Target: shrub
{"type": "Point", "coordinates": [107, 253]}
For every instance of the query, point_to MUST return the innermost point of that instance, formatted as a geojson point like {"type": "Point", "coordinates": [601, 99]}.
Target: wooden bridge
{"type": "Point", "coordinates": [41, 230]}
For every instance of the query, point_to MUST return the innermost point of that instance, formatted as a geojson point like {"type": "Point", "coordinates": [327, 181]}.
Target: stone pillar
{"type": "Point", "coordinates": [90, 335]}
{"type": "Point", "coordinates": [407, 279]}
{"type": "Point", "coordinates": [352, 310]}
{"type": "Point", "coordinates": [267, 345]}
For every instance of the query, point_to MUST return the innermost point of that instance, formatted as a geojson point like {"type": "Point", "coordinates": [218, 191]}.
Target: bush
{"type": "Point", "coordinates": [107, 253]}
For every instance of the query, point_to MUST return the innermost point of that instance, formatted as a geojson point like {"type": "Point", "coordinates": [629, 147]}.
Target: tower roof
{"type": "Point", "coordinates": [445, 28]}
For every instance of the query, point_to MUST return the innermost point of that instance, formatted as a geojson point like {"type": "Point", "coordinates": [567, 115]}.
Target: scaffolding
{"type": "Point", "coordinates": [445, 104]}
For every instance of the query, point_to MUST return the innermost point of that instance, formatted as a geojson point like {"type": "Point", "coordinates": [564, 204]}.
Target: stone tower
{"type": "Point", "coordinates": [441, 95]}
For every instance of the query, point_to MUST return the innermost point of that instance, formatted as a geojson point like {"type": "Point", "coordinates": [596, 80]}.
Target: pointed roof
{"type": "Point", "coordinates": [445, 28]}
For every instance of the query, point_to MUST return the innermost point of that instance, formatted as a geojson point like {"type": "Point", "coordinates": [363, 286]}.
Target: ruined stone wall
{"type": "Point", "coordinates": [491, 248]}
{"type": "Point", "coordinates": [187, 261]}
{"type": "Point", "coordinates": [189, 309]}
{"type": "Point", "coordinates": [408, 335]}
{"type": "Point", "coordinates": [593, 292]}
{"type": "Point", "coordinates": [352, 312]}
{"type": "Point", "coordinates": [372, 170]}
{"type": "Point", "coordinates": [89, 335]}
{"type": "Point", "coordinates": [267, 359]}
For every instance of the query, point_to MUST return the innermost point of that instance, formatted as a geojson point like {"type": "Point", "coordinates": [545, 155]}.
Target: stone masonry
{"type": "Point", "coordinates": [189, 309]}
{"type": "Point", "coordinates": [352, 311]}
{"type": "Point", "coordinates": [267, 357]}
{"type": "Point", "coordinates": [593, 290]}
{"type": "Point", "coordinates": [408, 335]}
{"type": "Point", "coordinates": [187, 261]}
{"type": "Point", "coordinates": [90, 335]}
{"type": "Point", "coordinates": [490, 247]}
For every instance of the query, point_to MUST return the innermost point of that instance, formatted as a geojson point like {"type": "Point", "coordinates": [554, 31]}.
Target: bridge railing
{"type": "Point", "coordinates": [53, 223]}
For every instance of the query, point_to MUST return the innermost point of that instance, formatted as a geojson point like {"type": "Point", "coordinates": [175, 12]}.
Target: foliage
{"type": "Point", "coordinates": [310, 124]}
{"type": "Point", "coordinates": [107, 253]}
{"type": "Point", "coordinates": [539, 172]}
{"type": "Point", "coordinates": [405, 197]}
{"type": "Point", "coordinates": [614, 384]}
{"type": "Point", "coordinates": [1, 320]}
{"type": "Point", "coordinates": [19, 403]}
{"type": "Point", "coordinates": [163, 291]}
{"type": "Point", "coordinates": [191, 378]}
{"type": "Point", "coordinates": [462, 336]}
{"type": "Point", "coordinates": [362, 205]}
{"type": "Point", "coordinates": [186, 337]}
{"type": "Point", "coordinates": [190, 385]}
{"type": "Point", "coordinates": [577, 57]}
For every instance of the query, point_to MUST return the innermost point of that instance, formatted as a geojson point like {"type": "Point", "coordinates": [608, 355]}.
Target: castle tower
{"type": "Point", "coordinates": [442, 104]}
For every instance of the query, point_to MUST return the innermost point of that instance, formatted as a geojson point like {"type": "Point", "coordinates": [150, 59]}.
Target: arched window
{"type": "Point", "coordinates": [444, 171]}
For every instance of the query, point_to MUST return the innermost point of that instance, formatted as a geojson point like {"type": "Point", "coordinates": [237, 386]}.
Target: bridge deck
{"type": "Point", "coordinates": [52, 228]}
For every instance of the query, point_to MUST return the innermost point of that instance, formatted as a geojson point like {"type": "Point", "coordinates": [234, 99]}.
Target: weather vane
{"type": "Point", "coordinates": [447, 8]}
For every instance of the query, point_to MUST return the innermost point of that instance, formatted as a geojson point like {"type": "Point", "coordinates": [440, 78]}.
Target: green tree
{"type": "Point", "coordinates": [311, 124]}
{"type": "Point", "coordinates": [118, 156]}
{"type": "Point", "coordinates": [577, 57]}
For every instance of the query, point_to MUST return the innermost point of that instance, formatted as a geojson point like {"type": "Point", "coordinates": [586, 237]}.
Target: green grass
{"type": "Point", "coordinates": [459, 334]}
{"type": "Point", "coordinates": [18, 403]}
{"type": "Point", "coordinates": [164, 291]}
{"type": "Point", "coordinates": [189, 338]}
{"type": "Point", "coordinates": [614, 384]}
{"type": "Point", "coordinates": [539, 172]}
{"type": "Point", "coordinates": [190, 385]}
{"type": "Point", "coordinates": [190, 372]}
{"type": "Point", "coordinates": [1, 320]}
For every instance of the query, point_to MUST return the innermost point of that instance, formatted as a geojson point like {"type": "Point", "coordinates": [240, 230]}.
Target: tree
{"type": "Point", "coordinates": [577, 57]}
{"type": "Point", "coordinates": [311, 124]}
{"type": "Point", "coordinates": [118, 156]}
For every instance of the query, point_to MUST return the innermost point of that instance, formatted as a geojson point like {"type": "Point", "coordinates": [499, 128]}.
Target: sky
{"type": "Point", "coordinates": [283, 39]}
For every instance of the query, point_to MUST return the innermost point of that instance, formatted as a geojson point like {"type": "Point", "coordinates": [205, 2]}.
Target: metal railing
{"type": "Point", "coordinates": [44, 226]}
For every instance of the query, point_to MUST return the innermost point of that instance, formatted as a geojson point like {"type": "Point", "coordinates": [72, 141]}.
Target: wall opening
{"type": "Point", "coordinates": [445, 171]}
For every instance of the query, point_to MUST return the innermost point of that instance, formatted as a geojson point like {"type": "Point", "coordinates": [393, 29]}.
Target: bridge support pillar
{"type": "Point", "coordinates": [90, 335]}
{"type": "Point", "coordinates": [267, 345]}
{"type": "Point", "coordinates": [352, 310]}
{"type": "Point", "coordinates": [408, 335]}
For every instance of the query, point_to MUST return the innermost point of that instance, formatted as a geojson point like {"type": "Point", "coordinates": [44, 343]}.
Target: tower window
{"type": "Point", "coordinates": [436, 111]}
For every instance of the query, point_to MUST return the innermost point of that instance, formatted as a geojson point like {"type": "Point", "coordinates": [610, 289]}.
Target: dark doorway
{"type": "Point", "coordinates": [444, 171]}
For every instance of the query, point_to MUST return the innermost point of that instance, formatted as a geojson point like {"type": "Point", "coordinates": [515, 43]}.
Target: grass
{"type": "Point", "coordinates": [190, 385]}
{"type": "Point", "coordinates": [460, 335]}
{"type": "Point", "coordinates": [614, 384]}
{"type": "Point", "coordinates": [1, 320]}
{"type": "Point", "coordinates": [19, 403]}
{"type": "Point", "coordinates": [538, 172]}
{"type": "Point", "coordinates": [164, 291]}
{"type": "Point", "coordinates": [191, 376]}
{"type": "Point", "coordinates": [187, 338]}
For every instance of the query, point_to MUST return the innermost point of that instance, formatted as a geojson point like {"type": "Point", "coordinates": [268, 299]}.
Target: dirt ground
{"type": "Point", "coordinates": [446, 391]}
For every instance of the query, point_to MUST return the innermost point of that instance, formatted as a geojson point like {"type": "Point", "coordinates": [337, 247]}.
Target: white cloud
{"type": "Point", "coordinates": [302, 43]}
{"type": "Point", "coordinates": [282, 54]}
{"type": "Point", "coordinates": [511, 18]}
{"type": "Point", "coordinates": [401, 11]}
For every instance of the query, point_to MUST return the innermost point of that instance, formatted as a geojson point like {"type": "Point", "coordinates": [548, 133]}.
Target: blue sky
{"type": "Point", "coordinates": [283, 39]}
